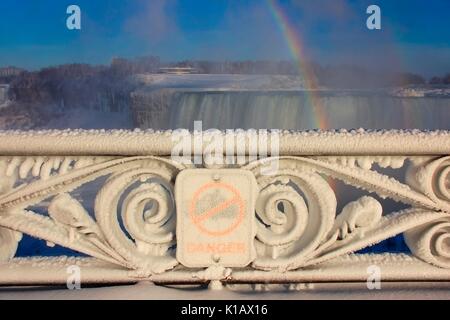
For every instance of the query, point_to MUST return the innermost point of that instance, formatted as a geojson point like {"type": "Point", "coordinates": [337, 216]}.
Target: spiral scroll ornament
{"type": "Point", "coordinates": [295, 210]}
{"type": "Point", "coordinates": [148, 214]}
{"type": "Point", "coordinates": [433, 179]}
{"type": "Point", "coordinates": [431, 242]}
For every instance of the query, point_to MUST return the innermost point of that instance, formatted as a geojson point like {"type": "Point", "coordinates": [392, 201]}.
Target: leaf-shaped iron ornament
{"type": "Point", "coordinates": [9, 240]}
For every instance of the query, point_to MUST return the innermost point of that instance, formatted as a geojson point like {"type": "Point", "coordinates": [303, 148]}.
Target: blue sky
{"type": "Point", "coordinates": [415, 34]}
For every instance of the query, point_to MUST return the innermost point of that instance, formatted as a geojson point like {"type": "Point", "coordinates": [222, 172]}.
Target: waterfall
{"type": "Point", "coordinates": [3, 93]}
{"type": "Point", "coordinates": [170, 109]}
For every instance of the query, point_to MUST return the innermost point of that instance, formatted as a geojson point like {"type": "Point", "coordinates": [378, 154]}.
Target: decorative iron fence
{"type": "Point", "coordinates": [156, 218]}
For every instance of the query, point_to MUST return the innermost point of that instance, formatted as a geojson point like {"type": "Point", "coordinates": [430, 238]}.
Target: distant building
{"type": "Point", "coordinates": [178, 70]}
{"type": "Point", "coordinates": [10, 71]}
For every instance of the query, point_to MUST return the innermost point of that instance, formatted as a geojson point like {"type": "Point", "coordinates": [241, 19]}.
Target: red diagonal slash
{"type": "Point", "coordinates": [213, 211]}
{"type": "Point", "coordinates": [236, 199]}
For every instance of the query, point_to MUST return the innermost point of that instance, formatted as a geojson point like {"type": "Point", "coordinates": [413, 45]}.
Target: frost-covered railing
{"type": "Point", "coordinates": [141, 215]}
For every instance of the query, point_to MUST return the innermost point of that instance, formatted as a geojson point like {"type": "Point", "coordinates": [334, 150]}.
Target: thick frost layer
{"type": "Point", "coordinates": [150, 142]}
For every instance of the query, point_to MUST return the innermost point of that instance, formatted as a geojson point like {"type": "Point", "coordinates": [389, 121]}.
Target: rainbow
{"type": "Point", "coordinates": [294, 41]}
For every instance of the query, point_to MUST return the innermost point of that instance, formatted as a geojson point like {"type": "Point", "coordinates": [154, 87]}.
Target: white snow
{"type": "Point", "coordinates": [221, 81]}
{"type": "Point", "coordinates": [420, 92]}
{"type": "Point", "coordinates": [150, 142]}
{"type": "Point", "coordinates": [148, 291]}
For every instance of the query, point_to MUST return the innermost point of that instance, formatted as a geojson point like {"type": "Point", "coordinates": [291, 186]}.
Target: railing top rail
{"type": "Point", "coordinates": [161, 143]}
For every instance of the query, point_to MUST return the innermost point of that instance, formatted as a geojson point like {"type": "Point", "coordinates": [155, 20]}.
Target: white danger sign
{"type": "Point", "coordinates": [215, 217]}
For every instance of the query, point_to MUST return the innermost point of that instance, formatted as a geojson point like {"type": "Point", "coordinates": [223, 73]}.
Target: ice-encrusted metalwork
{"type": "Point", "coordinates": [129, 240]}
